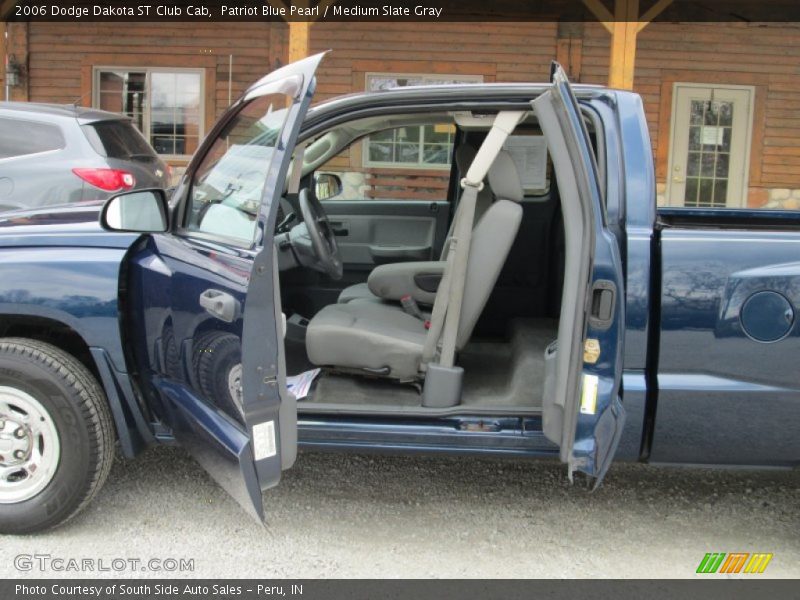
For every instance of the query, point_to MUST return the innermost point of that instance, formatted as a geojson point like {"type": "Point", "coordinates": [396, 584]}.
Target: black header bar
{"type": "Point", "coordinates": [388, 10]}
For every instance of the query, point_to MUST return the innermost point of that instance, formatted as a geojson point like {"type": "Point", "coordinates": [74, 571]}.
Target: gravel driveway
{"type": "Point", "coordinates": [338, 515]}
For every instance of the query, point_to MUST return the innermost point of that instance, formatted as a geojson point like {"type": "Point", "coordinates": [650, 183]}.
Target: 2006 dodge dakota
{"type": "Point", "coordinates": [525, 296]}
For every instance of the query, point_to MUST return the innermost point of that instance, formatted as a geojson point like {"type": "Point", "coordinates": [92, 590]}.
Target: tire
{"type": "Point", "coordinates": [216, 356]}
{"type": "Point", "coordinates": [52, 388]}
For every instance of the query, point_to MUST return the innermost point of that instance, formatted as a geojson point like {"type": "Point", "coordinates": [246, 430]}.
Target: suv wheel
{"type": "Point", "coordinates": [56, 436]}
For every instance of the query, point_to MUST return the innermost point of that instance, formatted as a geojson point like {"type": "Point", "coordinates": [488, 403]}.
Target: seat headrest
{"type": "Point", "coordinates": [465, 154]}
{"type": "Point", "coordinates": [504, 178]}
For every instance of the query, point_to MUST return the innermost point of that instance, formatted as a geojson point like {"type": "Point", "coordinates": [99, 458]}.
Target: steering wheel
{"type": "Point", "coordinates": [323, 240]}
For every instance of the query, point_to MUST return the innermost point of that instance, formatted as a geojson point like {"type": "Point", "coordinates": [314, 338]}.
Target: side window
{"type": "Point", "coordinates": [20, 137]}
{"type": "Point", "coordinates": [401, 163]}
{"type": "Point", "coordinates": [227, 186]}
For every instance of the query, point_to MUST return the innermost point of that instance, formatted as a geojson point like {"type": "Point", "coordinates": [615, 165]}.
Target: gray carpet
{"type": "Point", "coordinates": [499, 377]}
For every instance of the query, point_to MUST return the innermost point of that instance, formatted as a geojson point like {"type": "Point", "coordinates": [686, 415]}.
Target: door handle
{"type": "Point", "coordinates": [340, 228]}
{"type": "Point", "coordinates": [602, 298]}
{"type": "Point", "coordinates": [221, 305]}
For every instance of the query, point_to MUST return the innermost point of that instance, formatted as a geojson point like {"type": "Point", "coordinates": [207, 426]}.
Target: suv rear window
{"type": "Point", "coordinates": [19, 137]}
{"type": "Point", "coordinates": [118, 139]}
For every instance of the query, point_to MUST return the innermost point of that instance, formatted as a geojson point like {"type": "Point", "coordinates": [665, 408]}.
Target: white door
{"type": "Point", "coordinates": [710, 146]}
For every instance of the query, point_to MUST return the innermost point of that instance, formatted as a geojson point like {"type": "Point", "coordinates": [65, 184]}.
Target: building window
{"type": "Point", "coordinates": [166, 105]}
{"type": "Point", "coordinates": [418, 146]}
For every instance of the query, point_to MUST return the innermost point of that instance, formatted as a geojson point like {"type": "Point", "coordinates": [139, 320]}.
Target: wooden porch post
{"type": "Point", "coordinates": [300, 31]}
{"type": "Point", "coordinates": [299, 40]}
{"type": "Point", "coordinates": [624, 25]}
{"type": "Point", "coordinates": [6, 6]}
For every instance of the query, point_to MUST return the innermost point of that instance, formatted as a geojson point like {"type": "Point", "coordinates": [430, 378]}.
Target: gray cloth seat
{"type": "Point", "coordinates": [393, 281]}
{"type": "Point", "coordinates": [367, 335]}
{"type": "Point", "coordinates": [364, 334]}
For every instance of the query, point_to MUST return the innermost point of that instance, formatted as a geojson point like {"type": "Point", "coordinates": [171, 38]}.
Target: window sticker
{"type": "Point", "coordinates": [530, 157]}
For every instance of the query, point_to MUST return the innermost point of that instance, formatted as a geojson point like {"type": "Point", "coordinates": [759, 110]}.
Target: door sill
{"type": "Point", "coordinates": [310, 408]}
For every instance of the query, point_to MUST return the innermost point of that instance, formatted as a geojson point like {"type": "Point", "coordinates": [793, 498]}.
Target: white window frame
{"type": "Point", "coordinates": [96, 70]}
{"type": "Point", "coordinates": [427, 79]}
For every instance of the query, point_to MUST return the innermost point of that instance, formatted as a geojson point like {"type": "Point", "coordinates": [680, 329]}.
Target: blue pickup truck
{"type": "Point", "coordinates": [522, 296]}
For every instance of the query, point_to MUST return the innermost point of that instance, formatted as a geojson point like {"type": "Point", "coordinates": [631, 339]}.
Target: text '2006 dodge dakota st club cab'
{"type": "Point", "coordinates": [525, 297]}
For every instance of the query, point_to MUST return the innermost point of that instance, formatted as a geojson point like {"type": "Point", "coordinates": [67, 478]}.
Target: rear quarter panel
{"type": "Point", "coordinates": [725, 397]}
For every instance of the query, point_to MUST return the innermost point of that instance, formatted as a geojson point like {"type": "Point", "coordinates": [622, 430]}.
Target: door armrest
{"type": "Point", "coordinates": [420, 280]}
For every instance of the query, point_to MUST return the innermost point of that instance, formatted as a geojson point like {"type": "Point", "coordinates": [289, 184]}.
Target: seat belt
{"type": "Point", "coordinates": [450, 294]}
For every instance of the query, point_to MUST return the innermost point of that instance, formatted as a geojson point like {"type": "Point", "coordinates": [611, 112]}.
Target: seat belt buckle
{"type": "Point", "coordinates": [411, 307]}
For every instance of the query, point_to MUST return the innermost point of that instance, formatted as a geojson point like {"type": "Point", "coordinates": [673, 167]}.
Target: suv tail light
{"type": "Point", "coordinates": [110, 180]}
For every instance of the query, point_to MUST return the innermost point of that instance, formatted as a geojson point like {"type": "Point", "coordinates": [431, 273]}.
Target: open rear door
{"type": "Point", "coordinates": [583, 412]}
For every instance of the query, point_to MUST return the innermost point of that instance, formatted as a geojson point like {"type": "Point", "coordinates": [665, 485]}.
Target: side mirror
{"type": "Point", "coordinates": [143, 211]}
{"type": "Point", "coordinates": [327, 186]}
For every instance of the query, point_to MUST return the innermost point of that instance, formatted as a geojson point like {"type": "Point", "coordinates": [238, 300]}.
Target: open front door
{"type": "Point", "coordinates": [583, 411]}
{"type": "Point", "coordinates": [207, 298]}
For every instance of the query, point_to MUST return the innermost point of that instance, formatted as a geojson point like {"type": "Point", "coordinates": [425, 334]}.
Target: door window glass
{"type": "Point", "coordinates": [227, 186]}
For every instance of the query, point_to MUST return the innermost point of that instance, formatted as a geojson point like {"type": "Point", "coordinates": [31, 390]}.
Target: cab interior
{"type": "Point", "coordinates": [389, 187]}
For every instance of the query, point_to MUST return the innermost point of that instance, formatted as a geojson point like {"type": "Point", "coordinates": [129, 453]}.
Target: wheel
{"type": "Point", "coordinates": [218, 367]}
{"type": "Point", "coordinates": [56, 436]}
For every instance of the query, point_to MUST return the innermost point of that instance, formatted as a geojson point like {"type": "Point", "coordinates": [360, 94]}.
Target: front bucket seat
{"type": "Point", "coordinates": [383, 338]}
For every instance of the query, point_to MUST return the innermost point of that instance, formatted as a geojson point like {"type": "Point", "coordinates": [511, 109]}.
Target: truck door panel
{"type": "Point", "coordinates": [204, 295]}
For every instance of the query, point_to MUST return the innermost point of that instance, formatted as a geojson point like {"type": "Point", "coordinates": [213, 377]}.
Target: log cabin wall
{"type": "Point", "coordinates": [59, 59]}
{"type": "Point", "coordinates": [765, 57]}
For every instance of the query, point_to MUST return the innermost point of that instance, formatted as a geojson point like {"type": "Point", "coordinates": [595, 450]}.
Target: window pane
{"type": "Point", "coordinates": [20, 137]}
{"type": "Point", "coordinates": [383, 136]}
{"type": "Point", "coordinates": [696, 116]}
{"type": "Point", "coordinates": [174, 110]}
{"type": "Point", "coordinates": [408, 134]}
{"type": "Point", "coordinates": [124, 92]}
{"type": "Point", "coordinates": [726, 113]}
{"type": "Point", "coordinates": [694, 138]}
{"type": "Point", "coordinates": [726, 140]}
{"type": "Point", "coordinates": [693, 164]}
{"type": "Point", "coordinates": [380, 152]}
{"type": "Point", "coordinates": [723, 161]}
{"type": "Point", "coordinates": [228, 185]}
{"type": "Point", "coordinates": [711, 116]}
{"type": "Point", "coordinates": [436, 154]}
{"type": "Point", "coordinates": [407, 153]}
{"type": "Point", "coordinates": [690, 196]}
{"type": "Point", "coordinates": [438, 133]}
{"type": "Point", "coordinates": [707, 164]}
{"type": "Point", "coordinates": [720, 192]}
{"type": "Point", "coordinates": [705, 196]}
